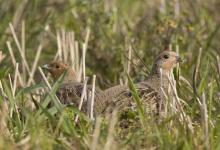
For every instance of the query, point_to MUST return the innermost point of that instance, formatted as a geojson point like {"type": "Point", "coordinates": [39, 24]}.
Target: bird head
{"type": "Point", "coordinates": [166, 61]}
{"type": "Point", "coordinates": [56, 69]}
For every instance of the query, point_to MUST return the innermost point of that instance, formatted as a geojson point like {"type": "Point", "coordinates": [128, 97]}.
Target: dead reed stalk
{"type": "Point", "coordinates": [112, 121]}
{"type": "Point", "coordinates": [92, 98]}
{"type": "Point", "coordinates": [81, 100]}
{"type": "Point", "coordinates": [204, 120]}
{"type": "Point", "coordinates": [96, 134]}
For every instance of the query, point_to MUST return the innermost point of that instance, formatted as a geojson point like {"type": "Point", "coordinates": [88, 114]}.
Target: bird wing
{"type": "Point", "coordinates": [123, 100]}
{"type": "Point", "coordinates": [70, 94]}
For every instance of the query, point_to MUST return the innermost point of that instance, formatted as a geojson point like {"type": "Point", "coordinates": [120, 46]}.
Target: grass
{"type": "Point", "coordinates": [108, 39]}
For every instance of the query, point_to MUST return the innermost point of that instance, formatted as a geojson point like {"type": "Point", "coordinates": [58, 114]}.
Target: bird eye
{"type": "Point", "coordinates": [166, 56]}
{"type": "Point", "coordinates": [57, 66]}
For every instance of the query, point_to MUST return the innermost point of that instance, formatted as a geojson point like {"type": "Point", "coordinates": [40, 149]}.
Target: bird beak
{"type": "Point", "coordinates": [179, 59]}
{"type": "Point", "coordinates": [47, 67]}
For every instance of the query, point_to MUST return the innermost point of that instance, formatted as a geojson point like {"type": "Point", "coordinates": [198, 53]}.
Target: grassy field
{"type": "Point", "coordinates": [115, 36]}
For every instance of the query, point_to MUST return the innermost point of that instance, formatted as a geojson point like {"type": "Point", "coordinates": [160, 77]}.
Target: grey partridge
{"type": "Point", "coordinates": [70, 91]}
{"type": "Point", "coordinates": [149, 91]}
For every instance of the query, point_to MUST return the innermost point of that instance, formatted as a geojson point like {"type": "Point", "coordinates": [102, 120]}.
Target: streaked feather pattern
{"type": "Point", "coordinates": [123, 99]}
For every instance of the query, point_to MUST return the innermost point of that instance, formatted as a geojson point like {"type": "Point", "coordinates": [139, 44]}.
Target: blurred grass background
{"type": "Point", "coordinates": [114, 24]}
{"type": "Point", "coordinates": [149, 26]}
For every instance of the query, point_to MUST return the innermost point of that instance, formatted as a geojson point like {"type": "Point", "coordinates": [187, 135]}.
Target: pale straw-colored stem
{"type": "Point", "coordinates": [72, 49]}
{"type": "Point", "coordinates": [13, 95]}
{"type": "Point", "coordinates": [44, 77]}
{"type": "Point", "coordinates": [11, 52]}
{"type": "Point", "coordinates": [162, 93]}
{"type": "Point", "coordinates": [10, 83]}
{"type": "Point", "coordinates": [15, 79]}
{"type": "Point", "coordinates": [83, 62]}
{"type": "Point", "coordinates": [177, 9]}
{"type": "Point", "coordinates": [23, 49]}
{"type": "Point", "coordinates": [112, 122]}
{"type": "Point", "coordinates": [2, 90]}
{"type": "Point", "coordinates": [218, 64]}
{"type": "Point", "coordinates": [198, 64]}
{"type": "Point", "coordinates": [128, 63]}
{"type": "Point", "coordinates": [24, 141]}
{"type": "Point", "coordinates": [4, 128]}
{"type": "Point", "coordinates": [205, 121]}
{"type": "Point", "coordinates": [92, 98]}
{"type": "Point", "coordinates": [19, 48]}
{"type": "Point", "coordinates": [14, 61]}
{"type": "Point", "coordinates": [85, 45]}
{"type": "Point", "coordinates": [177, 51]}
{"type": "Point", "coordinates": [77, 58]}
{"type": "Point", "coordinates": [186, 82]}
{"type": "Point", "coordinates": [87, 37]}
{"type": "Point", "coordinates": [78, 61]}
{"type": "Point", "coordinates": [96, 134]}
{"type": "Point", "coordinates": [59, 45]}
{"type": "Point", "coordinates": [163, 6]}
{"type": "Point", "coordinates": [121, 82]}
{"type": "Point", "coordinates": [2, 56]}
{"type": "Point", "coordinates": [64, 45]}
{"type": "Point", "coordinates": [81, 100]}
{"type": "Point", "coordinates": [39, 50]}
{"type": "Point", "coordinates": [183, 114]}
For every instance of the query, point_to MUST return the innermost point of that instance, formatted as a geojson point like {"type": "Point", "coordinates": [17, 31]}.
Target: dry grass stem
{"type": "Point", "coordinates": [19, 48]}
{"type": "Point", "coordinates": [15, 79]}
{"type": "Point", "coordinates": [71, 40]}
{"type": "Point", "coordinates": [23, 141]}
{"type": "Point", "coordinates": [196, 71]}
{"type": "Point", "coordinates": [64, 45]}
{"type": "Point", "coordinates": [87, 38]}
{"type": "Point", "coordinates": [59, 51]}
{"type": "Point", "coordinates": [44, 77]}
{"type": "Point", "coordinates": [14, 61]}
{"type": "Point", "coordinates": [127, 63]}
{"type": "Point", "coordinates": [81, 99]}
{"type": "Point", "coordinates": [183, 115]}
{"type": "Point", "coordinates": [4, 131]}
{"type": "Point", "coordinates": [218, 64]}
{"type": "Point", "coordinates": [11, 52]}
{"type": "Point", "coordinates": [34, 67]}
{"type": "Point", "coordinates": [2, 56]}
{"type": "Point", "coordinates": [78, 61]}
{"type": "Point", "coordinates": [83, 61]}
{"type": "Point", "coordinates": [23, 49]}
{"type": "Point", "coordinates": [163, 6]}
{"type": "Point", "coordinates": [112, 121]}
{"type": "Point", "coordinates": [178, 66]}
{"type": "Point", "coordinates": [204, 115]}
{"type": "Point", "coordinates": [17, 17]}
{"type": "Point", "coordinates": [186, 82]}
{"type": "Point", "coordinates": [96, 134]}
{"type": "Point", "coordinates": [177, 8]}
{"type": "Point", "coordinates": [13, 95]}
{"type": "Point", "coordinates": [92, 98]}
{"type": "Point", "coordinates": [10, 83]}
{"type": "Point", "coordinates": [198, 63]}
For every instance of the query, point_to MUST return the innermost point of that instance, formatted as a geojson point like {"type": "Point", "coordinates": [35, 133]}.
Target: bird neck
{"type": "Point", "coordinates": [159, 78]}
{"type": "Point", "coordinates": [70, 76]}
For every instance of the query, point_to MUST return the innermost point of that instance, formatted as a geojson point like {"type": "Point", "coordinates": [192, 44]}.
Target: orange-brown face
{"type": "Point", "coordinates": [167, 60]}
{"type": "Point", "coordinates": [56, 69]}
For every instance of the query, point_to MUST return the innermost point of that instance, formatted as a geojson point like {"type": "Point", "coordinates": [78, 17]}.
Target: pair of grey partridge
{"type": "Point", "coordinates": [150, 91]}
